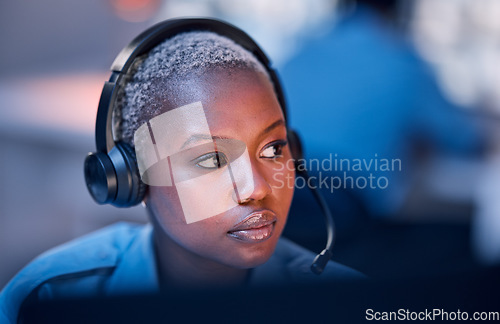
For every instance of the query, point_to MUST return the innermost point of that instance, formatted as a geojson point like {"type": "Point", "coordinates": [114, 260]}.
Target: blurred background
{"type": "Point", "coordinates": [415, 80]}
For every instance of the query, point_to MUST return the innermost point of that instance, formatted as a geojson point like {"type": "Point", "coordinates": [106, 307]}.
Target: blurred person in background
{"type": "Point", "coordinates": [360, 91]}
{"type": "Point", "coordinates": [361, 96]}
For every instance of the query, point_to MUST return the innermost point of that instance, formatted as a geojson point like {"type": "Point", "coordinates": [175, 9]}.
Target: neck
{"type": "Point", "coordinates": [181, 268]}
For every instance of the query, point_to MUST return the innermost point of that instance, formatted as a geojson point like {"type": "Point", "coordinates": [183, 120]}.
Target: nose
{"type": "Point", "coordinates": [246, 192]}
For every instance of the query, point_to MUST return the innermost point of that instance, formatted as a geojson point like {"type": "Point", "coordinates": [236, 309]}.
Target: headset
{"type": "Point", "coordinates": [111, 173]}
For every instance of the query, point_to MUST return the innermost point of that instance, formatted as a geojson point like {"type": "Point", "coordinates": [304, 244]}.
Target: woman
{"type": "Point", "coordinates": [210, 138]}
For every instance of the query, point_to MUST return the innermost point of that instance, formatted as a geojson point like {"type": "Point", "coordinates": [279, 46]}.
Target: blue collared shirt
{"type": "Point", "coordinates": [120, 259]}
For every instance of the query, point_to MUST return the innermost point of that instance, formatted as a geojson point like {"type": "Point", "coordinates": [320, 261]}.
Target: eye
{"type": "Point", "coordinates": [273, 150]}
{"type": "Point", "coordinates": [213, 160]}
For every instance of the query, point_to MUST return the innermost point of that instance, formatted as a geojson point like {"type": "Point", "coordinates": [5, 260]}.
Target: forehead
{"type": "Point", "coordinates": [231, 98]}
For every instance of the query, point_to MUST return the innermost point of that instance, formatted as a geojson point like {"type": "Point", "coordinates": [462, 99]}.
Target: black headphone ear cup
{"type": "Point", "coordinates": [133, 189]}
{"type": "Point", "coordinates": [100, 177]}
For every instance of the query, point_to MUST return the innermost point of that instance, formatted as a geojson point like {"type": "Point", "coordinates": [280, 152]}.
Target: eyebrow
{"type": "Point", "coordinates": [273, 126]}
{"type": "Point", "coordinates": [198, 137]}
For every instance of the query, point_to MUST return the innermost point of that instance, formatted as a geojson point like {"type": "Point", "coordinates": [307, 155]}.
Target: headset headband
{"type": "Point", "coordinates": [150, 38]}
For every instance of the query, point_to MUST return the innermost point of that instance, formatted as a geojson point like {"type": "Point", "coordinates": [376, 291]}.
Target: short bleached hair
{"type": "Point", "coordinates": [191, 53]}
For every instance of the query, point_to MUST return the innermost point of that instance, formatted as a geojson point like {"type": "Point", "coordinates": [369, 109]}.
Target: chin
{"type": "Point", "coordinates": [251, 257]}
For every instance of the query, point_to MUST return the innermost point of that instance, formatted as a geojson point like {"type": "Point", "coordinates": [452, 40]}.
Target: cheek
{"type": "Point", "coordinates": [166, 210]}
{"type": "Point", "coordinates": [283, 183]}
{"type": "Point", "coordinates": [164, 205]}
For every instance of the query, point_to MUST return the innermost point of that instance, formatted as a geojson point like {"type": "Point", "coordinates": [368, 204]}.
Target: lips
{"type": "Point", "coordinates": [256, 227]}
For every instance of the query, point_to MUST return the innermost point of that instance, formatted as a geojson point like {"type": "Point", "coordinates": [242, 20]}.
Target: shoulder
{"type": "Point", "coordinates": [84, 261]}
{"type": "Point", "coordinates": [291, 263]}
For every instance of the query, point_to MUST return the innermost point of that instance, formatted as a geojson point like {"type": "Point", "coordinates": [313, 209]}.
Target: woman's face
{"type": "Point", "coordinates": [247, 125]}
